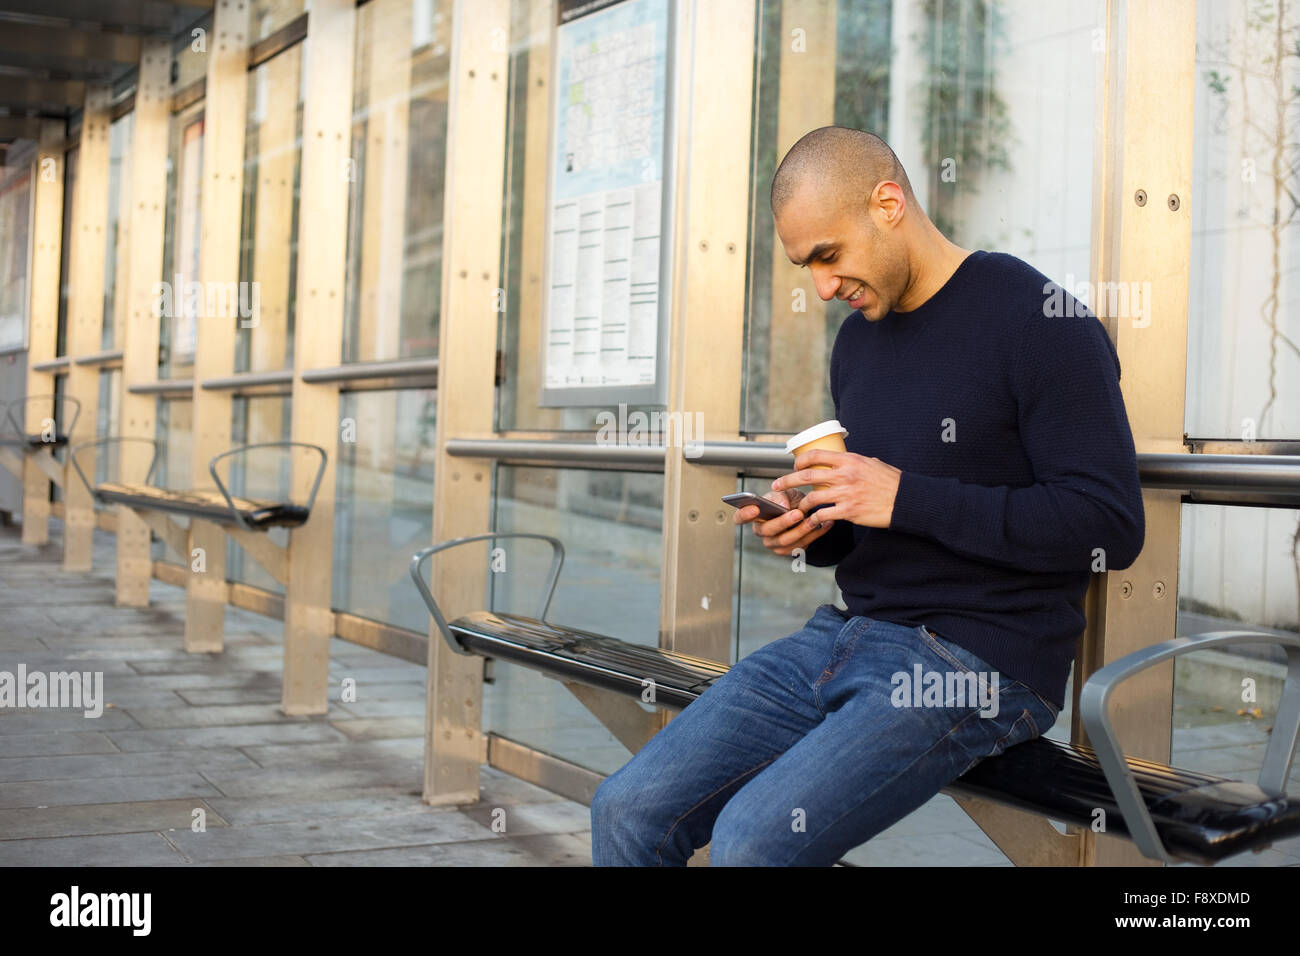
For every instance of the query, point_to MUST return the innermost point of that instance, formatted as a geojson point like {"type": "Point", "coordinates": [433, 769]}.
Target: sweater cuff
{"type": "Point", "coordinates": [923, 503]}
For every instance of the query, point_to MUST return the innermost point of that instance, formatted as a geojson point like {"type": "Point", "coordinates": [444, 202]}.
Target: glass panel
{"type": "Point", "coordinates": [119, 181]}
{"type": "Point", "coordinates": [399, 145]}
{"type": "Point", "coordinates": [65, 280]}
{"type": "Point", "coordinates": [1238, 570]}
{"type": "Point", "coordinates": [107, 426]}
{"type": "Point", "coordinates": [269, 249]}
{"type": "Point", "coordinates": [174, 431]}
{"type": "Point", "coordinates": [179, 305]}
{"type": "Point", "coordinates": [611, 525]}
{"type": "Point", "coordinates": [1243, 322]}
{"type": "Point", "coordinates": [15, 217]}
{"type": "Point", "coordinates": [260, 474]}
{"type": "Point", "coordinates": [267, 16]}
{"type": "Point", "coordinates": [384, 502]}
{"type": "Point", "coordinates": [523, 238]}
{"type": "Point", "coordinates": [956, 87]}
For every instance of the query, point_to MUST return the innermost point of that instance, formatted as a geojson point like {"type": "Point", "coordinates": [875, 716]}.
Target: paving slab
{"type": "Point", "coordinates": [126, 849]}
{"type": "Point", "coordinates": [548, 849]}
{"type": "Point", "coordinates": [243, 735]}
{"type": "Point", "coordinates": [37, 793]}
{"type": "Point", "coordinates": [104, 818]}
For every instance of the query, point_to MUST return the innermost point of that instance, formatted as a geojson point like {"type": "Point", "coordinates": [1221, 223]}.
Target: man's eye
{"type": "Point", "coordinates": [828, 258]}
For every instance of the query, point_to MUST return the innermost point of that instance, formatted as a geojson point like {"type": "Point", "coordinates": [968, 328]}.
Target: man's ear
{"type": "Point", "coordinates": [889, 199]}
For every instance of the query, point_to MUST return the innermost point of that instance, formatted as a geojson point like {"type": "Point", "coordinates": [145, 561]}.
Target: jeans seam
{"type": "Point", "coordinates": [941, 650]}
{"type": "Point", "coordinates": [831, 670]}
{"type": "Point", "coordinates": [706, 799]}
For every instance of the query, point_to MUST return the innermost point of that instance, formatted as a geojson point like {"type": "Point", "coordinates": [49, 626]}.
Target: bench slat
{"type": "Point", "coordinates": [205, 505]}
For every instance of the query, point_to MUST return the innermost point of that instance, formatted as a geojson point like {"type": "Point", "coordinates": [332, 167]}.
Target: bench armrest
{"type": "Point", "coordinates": [72, 457]}
{"type": "Point", "coordinates": [1094, 703]}
{"type": "Point", "coordinates": [417, 575]}
{"type": "Point", "coordinates": [20, 428]}
{"type": "Point", "coordinates": [225, 492]}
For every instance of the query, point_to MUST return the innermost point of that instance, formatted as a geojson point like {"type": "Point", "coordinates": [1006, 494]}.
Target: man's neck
{"type": "Point", "coordinates": [931, 267]}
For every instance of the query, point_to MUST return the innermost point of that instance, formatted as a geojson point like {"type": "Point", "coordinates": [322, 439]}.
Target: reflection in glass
{"type": "Point", "coordinates": [269, 228]}
{"type": "Point", "coordinates": [119, 181]}
{"type": "Point", "coordinates": [384, 502]}
{"type": "Point", "coordinates": [396, 167]}
{"type": "Point", "coordinates": [1243, 322]}
{"type": "Point", "coordinates": [995, 135]}
{"type": "Point", "coordinates": [180, 303]}
{"type": "Point", "coordinates": [611, 525]}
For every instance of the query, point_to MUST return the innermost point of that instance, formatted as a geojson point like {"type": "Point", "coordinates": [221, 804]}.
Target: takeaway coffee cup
{"type": "Point", "coordinates": [828, 435]}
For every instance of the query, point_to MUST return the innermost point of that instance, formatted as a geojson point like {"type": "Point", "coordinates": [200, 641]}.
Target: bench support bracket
{"type": "Point", "coordinates": [11, 462]}
{"type": "Point", "coordinates": [622, 716]}
{"type": "Point", "coordinates": [273, 558]}
{"type": "Point", "coordinates": [46, 462]}
{"type": "Point", "coordinates": [175, 536]}
{"type": "Point", "coordinates": [1026, 838]}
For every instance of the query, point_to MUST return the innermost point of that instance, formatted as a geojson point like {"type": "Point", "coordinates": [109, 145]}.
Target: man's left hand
{"type": "Point", "coordinates": [862, 489]}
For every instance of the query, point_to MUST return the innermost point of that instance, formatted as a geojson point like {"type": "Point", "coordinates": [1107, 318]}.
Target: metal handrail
{"type": "Point", "coordinates": [225, 493]}
{"type": "Point", "coordinates": [417, 575]}
{"type": "Point", "coordinates": [72, 457]}
{"type": "Point", "coordinates": [1094, 705]}
{"type": "Point", "coordinates": [20, 428]}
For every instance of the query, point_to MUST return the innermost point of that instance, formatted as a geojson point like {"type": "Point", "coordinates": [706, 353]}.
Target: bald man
{"type": "Point", "coordinates": [989, 470]}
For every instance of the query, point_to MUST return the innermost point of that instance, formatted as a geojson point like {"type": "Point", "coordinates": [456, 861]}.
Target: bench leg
{"type": "Point", "coordinates": [36, 505]}
{"type": "Point", "coordinates": [134, 561]}
{"type": "Point", "coordinates": [205, 592]}
{"type": "Point", "coordinates": [1026, 839]}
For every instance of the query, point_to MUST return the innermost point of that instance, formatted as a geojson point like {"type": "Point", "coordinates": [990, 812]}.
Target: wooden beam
{"type": "Point", "coordinates": [138, 322]}
{"type": "Point", "coordinates": [322, 252]}
{"type": "Point", "coordinates": [221, 200]}
{"type": "Point", "coordinates": [706, 351]}
{"type": "Point", "coordinates": [476, 147]}
{"type": "Point", "coordinates": [86, 312]}
{"type": "Point", "coordinates": [1146, 145]}
{"type": "Point", "coordinates": [47, 246]}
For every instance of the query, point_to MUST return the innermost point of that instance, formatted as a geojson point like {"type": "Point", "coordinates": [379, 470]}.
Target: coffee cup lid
{"type": "Point", "coordinates": [814, 433]}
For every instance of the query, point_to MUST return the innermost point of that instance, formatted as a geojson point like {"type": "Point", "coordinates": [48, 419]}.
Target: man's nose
{"type": "Point", "coordinates": [826, 283]}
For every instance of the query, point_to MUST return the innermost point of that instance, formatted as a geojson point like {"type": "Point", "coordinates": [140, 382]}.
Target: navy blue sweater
{"type": "Point", "coordinates": [1019, 472]}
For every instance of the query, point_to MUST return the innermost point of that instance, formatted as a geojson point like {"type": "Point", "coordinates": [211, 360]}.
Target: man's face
{"type": "Point", "coordinates": [850, 256]}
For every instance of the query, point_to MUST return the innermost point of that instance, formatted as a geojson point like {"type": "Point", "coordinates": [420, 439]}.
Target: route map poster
{"type": "Point", "coordinates": [608, 208]}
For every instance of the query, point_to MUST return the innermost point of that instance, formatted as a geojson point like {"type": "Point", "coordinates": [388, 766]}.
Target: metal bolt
{"type": "Point", "coordinates": [1126, 589]}
{"type": "Point", "coordinates": [1140, 197]}
{"type": "Point", "coordinates": [693, 515]}
{"type": "Point", "coordinates": [1173, 202]}
{"type": "Point", "coordinates": [704, 245]}
{"type": "Point", "coordinates": [1158, 589]}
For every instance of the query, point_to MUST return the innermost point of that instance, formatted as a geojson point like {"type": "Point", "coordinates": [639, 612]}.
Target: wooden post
{"type": "Point", "coordinates": [221, 199]}
{"type": "Point", "coordinates": [707, 337]}
{"type": "Point", "coordinates": [137, 322]}
{"type": "Point", "coordinates": [454, 745]}
{"type": "Point", "coordinates": [86, 314]}
{"type": "Point", "coordinates": [47, 244]}
{"type": "Point", "coordinates": [1147, 146]}
{"type": "Point", "coordinates": [796, 352]}
{"type": "Point", "coordinates": [322, 251]}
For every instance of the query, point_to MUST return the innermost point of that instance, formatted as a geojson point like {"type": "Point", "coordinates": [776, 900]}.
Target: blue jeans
{"type": "Point", "coordinates": [809, 747]}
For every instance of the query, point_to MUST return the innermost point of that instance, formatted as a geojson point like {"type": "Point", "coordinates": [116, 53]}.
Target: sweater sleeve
{"type": "Point", "coordinates": [834, 546]}
{"type": "Point", "coordinates": [1074, 429]}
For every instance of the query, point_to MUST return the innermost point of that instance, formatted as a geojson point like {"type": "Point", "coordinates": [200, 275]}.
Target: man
{"type": "Point", "coordinates": [989, 470]}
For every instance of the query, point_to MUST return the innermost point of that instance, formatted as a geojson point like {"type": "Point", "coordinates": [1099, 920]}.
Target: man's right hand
{"type": "Point", "coordinates": [784, 533]}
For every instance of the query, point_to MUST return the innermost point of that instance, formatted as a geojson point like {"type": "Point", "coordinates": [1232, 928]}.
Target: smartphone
{"type": "Point", "coordinates": [766, 507]}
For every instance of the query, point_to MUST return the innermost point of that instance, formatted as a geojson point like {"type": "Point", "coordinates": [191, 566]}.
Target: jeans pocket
{"type": "Point", "coordinates": [1023, 728]}
{"type": "Point", "coordinates": [931, 641]}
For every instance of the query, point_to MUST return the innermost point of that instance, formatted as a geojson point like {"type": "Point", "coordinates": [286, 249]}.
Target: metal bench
{"type": "Point", "coordinates": [1170, 814]}
{"type": "Point", "coordinates": [30, 445]}
{"type": "Point", "coordinates": [219, 507]}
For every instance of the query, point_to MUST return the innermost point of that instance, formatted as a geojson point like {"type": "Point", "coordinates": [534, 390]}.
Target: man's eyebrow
{"type": "Point", "coordinates": [817, 251]}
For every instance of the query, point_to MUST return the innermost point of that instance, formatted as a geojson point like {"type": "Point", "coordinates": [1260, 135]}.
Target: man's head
{"type": "Point", "coordinates": [844, 207]}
